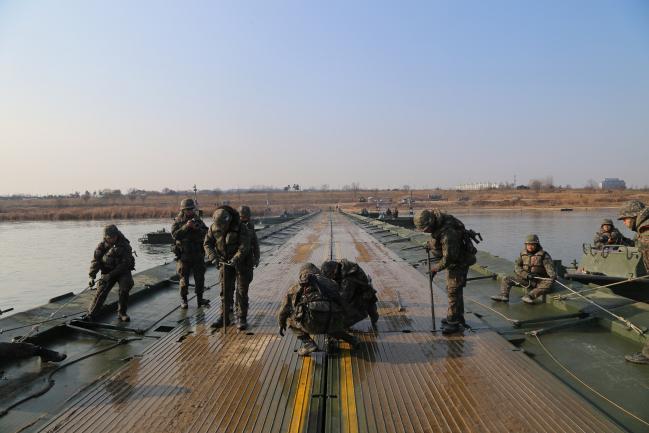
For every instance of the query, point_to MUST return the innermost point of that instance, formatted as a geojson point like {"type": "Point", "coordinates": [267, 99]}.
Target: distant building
{"type": "Point", "coordinates": [612, 183]}
{"type": "Point", "coordinates": [478, 186]}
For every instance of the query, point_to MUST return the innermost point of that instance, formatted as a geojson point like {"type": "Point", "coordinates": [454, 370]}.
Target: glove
{"type": "Point", "coordinates": [215, 262]}
{"type": "Point", "coordinates": [190, 224]}
{"type": "Point", "coordinates": [433, 272]}
{"type": "Point", "coordinates": [235, 262]}
{"type": "Point", "coordinates": [256, 262]}
{"type": "Point", "coordinates": [282, 329]}
{"type": "Point", "coordinates": [91, 282]}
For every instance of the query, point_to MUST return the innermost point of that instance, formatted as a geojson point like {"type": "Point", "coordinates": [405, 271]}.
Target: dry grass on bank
{"type": "Point", "coordinates": [166, 206]}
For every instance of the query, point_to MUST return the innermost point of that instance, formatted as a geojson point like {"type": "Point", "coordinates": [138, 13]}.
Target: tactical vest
{"type": "Point", "coordinates": [316, 312]}
{"type": "Point", "coordinates": [533, 263]}
{"type": "Point", "coordinates": [191, 246]}
{"type": "Point", "coordinates": [115, 254]}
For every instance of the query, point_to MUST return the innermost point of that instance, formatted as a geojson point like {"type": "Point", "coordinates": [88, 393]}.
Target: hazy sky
{"type": "Point", "coordinates": [153, 94]}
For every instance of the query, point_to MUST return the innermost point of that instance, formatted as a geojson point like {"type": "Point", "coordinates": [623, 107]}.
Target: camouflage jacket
{"type": "Point", "coordinates": [254, 243]}
{"type": "Point", "coordinates": [189, 241]}
{"type": "Point", "coordinates": [538, 264]}
{"type": "Point", "coordinates": [112, 259]}
{"type": "Point", "coordinates": [614, 237]}
{"type": "Point", "coordinates": [642, 228]}
{"type": "Point", "coordinates": [355, 287]}
{"type": "Point", "coordinates": [450, 244]}
{"type": "Point", "coordinates": [232, 246]}
{"type": "Point", "coordinates": [316, 307]}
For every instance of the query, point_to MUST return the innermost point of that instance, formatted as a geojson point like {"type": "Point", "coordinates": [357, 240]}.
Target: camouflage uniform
{"type": "Point", "coordinates": [227, 244]}
{"type": "Point", "coordinates": [313, 306]}
{"type": "Point", "coordinates": [246, 273]}
{"type": "Point", "coordinates": [16, 351]}
{"type": "Point", "coordinates": [453, 250]}
{"type": "Point", "coordinates": [190, 254]}
{"type": "Point", "coordinates": [115, 262]}
{"type": "Point", "coordinates": [612, 237]}
{"type": "Point", "coordinates": [527, 266]}
{"type": "Point", "coordinates": [356, 290]}
{"type": "Point", "coordinates": [639, 214]}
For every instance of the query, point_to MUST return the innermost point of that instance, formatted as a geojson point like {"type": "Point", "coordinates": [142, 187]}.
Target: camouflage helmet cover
{"type": "Point", "coordinates": [606, 222]}
{"type": "Point", "coordinates": [423, 219]}
{"type": "Point", "coordinates": [329, 268]}
{"type": "Point", "coordinates": [245, 212]}
{"type": "Point", "coordinates": [532, 239]}
{"type": "Point", "coordinates": [306, 270]}
{"type": "Point", "coordinates": [187, 204]}
{"type": "Point", "coordinates": [222, 218]}
{"type": "Point", "coordinates": [631, 209]}
{"type": "Point", "coordinates": [111, 231]}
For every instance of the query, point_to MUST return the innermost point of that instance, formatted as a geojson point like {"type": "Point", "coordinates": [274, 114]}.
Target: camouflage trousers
{"type": "Point", "coordinates": [239, 281]}
{"type": "Point", "coordinates": [536, 287]}
{"type": "Point", "coordinates": [455, 282]}
{"type": "Point", "coordinates": [104, 285]}
{"type": "Point", "coordinates": [185, 269]}
{"type": "Point", "coordinates": [304, 336]}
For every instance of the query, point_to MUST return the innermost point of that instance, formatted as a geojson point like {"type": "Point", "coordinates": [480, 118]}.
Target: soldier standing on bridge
{"type": "Point", "coordinates": [452, 246]}
{"type": "Point", "coordinates": [314, 306]}
{"type": "Point", "coordinates": [356, 290]}
{"type": "Point", "coordinates": [534, 270]}
{"type": "Point", "coordinates": [609, 235]}
{"type": "Point", "coordinates": [245, 275]}
{"type": "Point", "coordinates": [114, 258]}
{"type": "Point", "coordinates": [227, 245]}
{"type": "Point", "coordinates": [635, 216]}
{"type": "Point", "coordinates": [188, 231]}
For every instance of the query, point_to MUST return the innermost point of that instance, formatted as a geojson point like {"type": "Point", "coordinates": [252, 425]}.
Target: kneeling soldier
{"type": "Point", "coordinates": [534, 270]}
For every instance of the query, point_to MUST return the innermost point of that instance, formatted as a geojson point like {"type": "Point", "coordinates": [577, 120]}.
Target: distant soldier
{"type": "Point", "coordinates": [314, 306]}
{"type": "Point", "coordinates": [636, 217]}
{"type": "Point", "coordinates": [451, 245]}
{"type": "Point", "coordinates": [245, 274]}
{"type": "Point", "coordinates": [114, 258]}
{"type": "Point", "coordinates": [534, 270]}
{"type": "Point", "coordinates": [396, 213]}
{"type": "Point", "coordinates": [227, 245]}
{"type": "Point", "coordinates": [356, 290]}
{"type": "Point", "coordinates": [609, 235]}
{"type": "Point", "coordinates": [188, 231]}
{"type": "Point", "coordinates": [16, 351]}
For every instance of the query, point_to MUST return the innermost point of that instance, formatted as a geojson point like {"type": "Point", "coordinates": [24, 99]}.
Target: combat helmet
{"type": "Point", "coordinates": [532, 239]}
{"type": "Point", "coordinates": [606, 222]}
{"type": "Point", "coordinates": [110, 231]}
{"type": "Point", "coordinates": [187, 204]}
{"type": "Point", "coordinates": [424, 219]}
{"type": "Point", "coordinates": [330, 268]}
{"type": "Point", "coordinates": [244, 212]}
{"type": "Point", "coordinates": [222, 218]}
{"type": "Point", "coordinates": [306, 270]}
{"type": "Point", "coordinates": [631, 209]}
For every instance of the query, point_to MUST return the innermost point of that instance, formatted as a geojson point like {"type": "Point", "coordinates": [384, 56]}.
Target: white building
{"type": "Point", "coordinates": [612, 183]}
{"type": "Point", "coordinates": [478, 186]}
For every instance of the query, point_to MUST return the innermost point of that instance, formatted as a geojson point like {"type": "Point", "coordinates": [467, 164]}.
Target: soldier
{"type": "Point", "coordinates": [17, 351]}
{"type": "Point", "coordinates": [451, 245]}
{"type": "Point", "coordinates": [245, 275]}
{"type": "Point", "coordinates": [227, 246]}
{"type": "Point", "coordinates": [356, 290]}
{"type": "Point", "coordinates": [313, 306]}
{"type": "Point", "coordinates": [532, 264]}
{"type": "Point", "coordinates": [635, 216]}
{"type": "Point", "coordinates": [114, 258]}
{"type": "Point", "coordinates": [609, 235]}
{"type": "Point", "coordinates": [188, 231]}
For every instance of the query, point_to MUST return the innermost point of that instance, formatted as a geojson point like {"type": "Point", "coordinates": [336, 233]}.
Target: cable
{"type": "Point", "coordinates": [590, 388]}
{"type": "Point", "coordinates": [509, 319]}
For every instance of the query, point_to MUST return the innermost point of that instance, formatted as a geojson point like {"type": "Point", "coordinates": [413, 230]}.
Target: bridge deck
{"type": "Point", "coordinates": [402, 378]}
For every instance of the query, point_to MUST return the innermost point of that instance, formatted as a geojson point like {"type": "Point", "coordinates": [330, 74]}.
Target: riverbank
{"type": "Point", "coordinates": [277, 202]}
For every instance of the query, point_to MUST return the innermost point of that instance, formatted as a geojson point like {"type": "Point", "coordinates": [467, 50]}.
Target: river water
{"type": "Point", "coordinates": [40, 260]}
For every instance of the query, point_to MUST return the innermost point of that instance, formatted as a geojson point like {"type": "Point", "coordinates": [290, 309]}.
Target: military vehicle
{"type": "Point", "coordinates": [160, 237]}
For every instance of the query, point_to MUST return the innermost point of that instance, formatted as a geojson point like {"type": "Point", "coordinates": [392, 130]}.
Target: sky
{"type": "Point", "coordinates": [154, 94]}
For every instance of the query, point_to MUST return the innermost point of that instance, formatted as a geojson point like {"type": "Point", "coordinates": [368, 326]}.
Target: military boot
{"type": "Point", "coordinates": [183, 302]}
{"type": "Point", "coordinates": [220, 320]}
{"type": "Point", "coordinates": [452, 327]}
{"type": "Point", "coordinates": [637, 358]}
{"type": "Point", "coordinates": [243, 323]}
{"type": "Point", "coordinates": [528, 300]}
{"type": "Point", "coordinates": [123, 317]}
{"type": "Point", "coordinates": [202, 302]}
{"type": "Point", "coordinates": [308, 346]}
{"type": "Point", "coordinates": [50, 355]}
{"type": "Point", "coordinates": [500, 298]}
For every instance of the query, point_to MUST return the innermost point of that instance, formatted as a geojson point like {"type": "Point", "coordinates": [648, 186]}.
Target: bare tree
{"type": "Point", "coordinates": [535, 185]}
{"type": "Point", "coordinates": [355, 187]}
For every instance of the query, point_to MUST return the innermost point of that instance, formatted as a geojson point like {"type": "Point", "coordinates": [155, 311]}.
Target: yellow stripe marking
{"type": "Point", "coordinates": [347, 395]}
{"type": "Point", "coordinates": [302, 396]}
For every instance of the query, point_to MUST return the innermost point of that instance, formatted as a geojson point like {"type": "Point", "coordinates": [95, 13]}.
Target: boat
{"type": "Point", "coordinates": [160, 237]}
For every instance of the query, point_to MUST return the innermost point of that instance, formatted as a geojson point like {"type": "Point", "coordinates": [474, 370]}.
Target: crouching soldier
{"type": "Point", "coordinates": [114, 258]}
{"type": "Point", "coordinates": [314, 306]}
{"type": "Point", "coordinates": [227, 246]}
{"type": "Point", "coordinates": [609, 235]}
{"type": "Point", "coordinates": [451, 245]}
{"type": "Point", "coordinates": [534, 270]}
{"type": "Point", "coordinates": [188, 231]}
{"type": "Point", "coordinates": [356, 290]}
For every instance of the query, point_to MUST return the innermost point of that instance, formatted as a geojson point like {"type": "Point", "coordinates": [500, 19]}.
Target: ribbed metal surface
{"type": "Point", "coordinates": [194, 380]}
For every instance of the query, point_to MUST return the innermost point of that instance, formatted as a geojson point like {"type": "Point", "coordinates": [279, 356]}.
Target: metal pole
{"type": "Point", "coordinates": [430, 285]}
